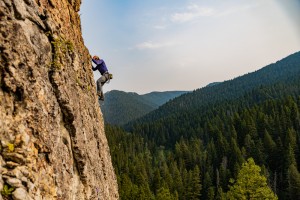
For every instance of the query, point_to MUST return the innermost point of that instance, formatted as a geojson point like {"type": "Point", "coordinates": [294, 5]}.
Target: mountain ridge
{"type": "Point", "coordinates": [267, 75]}
{"type": "Point", "coordinates": [121, 107]}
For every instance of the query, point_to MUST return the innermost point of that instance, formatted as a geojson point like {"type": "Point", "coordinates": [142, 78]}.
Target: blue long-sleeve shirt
{"type": "Point", "coordinates": [101, 66]}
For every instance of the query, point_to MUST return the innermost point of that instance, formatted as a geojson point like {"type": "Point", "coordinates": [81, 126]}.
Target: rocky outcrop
{"type": "Point", "coordinates": [53, 144]}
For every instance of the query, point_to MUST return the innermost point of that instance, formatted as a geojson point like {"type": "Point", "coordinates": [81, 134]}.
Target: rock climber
{"type": "Point", "coordinates": [105, 76]}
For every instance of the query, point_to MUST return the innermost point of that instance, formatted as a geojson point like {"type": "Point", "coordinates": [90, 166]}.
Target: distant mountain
{"type": "Point", "coordinates": [212, 84]}
{"type": "Point", "coordinates": [159, 98]}
{"type": "Point", "coordinates": [121, 107]}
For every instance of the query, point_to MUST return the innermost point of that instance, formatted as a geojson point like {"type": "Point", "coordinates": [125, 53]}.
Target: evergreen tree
{"type": "Point", "coordinates": [156, 183]}
{"type": "Point", "coordinates": [210, 193]}
{"type": "Point", "coordinates": [177, 181]}
{"type": "Point", "coordinates": [164, 194]}
{"type": "Point", "coordinates": [269, 143]}
{"type": "Point", "coordinates": [294, 182]}
{"type": "Point", "coordinates": [250, 184]}
{"type": "Point", "coordinates": [196, 184]}
{"type": "Point", "coordinates": [207, 186]}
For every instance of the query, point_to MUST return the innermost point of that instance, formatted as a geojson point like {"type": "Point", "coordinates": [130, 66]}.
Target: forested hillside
{"type": "Point", "coordinates": [192, 153]}
{"type": "Point", "coordinates": [279, 72]}
{"type": "Point", "coordinates": [122, 107]}
{"type": "Point", "coordinates": [160, 98]}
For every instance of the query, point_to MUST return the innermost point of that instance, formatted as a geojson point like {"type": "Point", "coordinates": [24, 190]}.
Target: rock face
{"type": "Point", "coordinates": [53, 144]}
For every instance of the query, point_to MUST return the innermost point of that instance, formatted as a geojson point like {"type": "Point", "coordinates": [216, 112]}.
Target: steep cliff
{"type": "Point", "coordinates": [53, 144]}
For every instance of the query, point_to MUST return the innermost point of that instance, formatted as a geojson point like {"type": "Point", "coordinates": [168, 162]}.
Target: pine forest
{"type": "Point", "coordinates": [241, 143]}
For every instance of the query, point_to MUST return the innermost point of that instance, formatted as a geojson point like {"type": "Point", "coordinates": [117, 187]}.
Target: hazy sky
{"type": "Point", "coordinates": [163, 45]}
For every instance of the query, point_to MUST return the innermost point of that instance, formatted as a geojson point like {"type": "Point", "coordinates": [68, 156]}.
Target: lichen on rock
{"type": "Point", "coordinates": [52, 140]}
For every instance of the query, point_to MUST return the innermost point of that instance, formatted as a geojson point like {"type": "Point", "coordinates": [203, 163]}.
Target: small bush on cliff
{"type": "Point", "coordinates": [60, 48]}
{"type": "Point", "coordinates": [10, 147]}
{"type": "Point", "coordinates": [7, 190]}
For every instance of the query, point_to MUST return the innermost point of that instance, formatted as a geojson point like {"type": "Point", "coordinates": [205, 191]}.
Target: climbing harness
{"type": "Point", "coordinates": [110, 76]}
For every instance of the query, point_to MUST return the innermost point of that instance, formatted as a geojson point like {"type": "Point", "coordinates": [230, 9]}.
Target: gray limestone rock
{"type": "Point", "coordinates": [20, 194]}
{"type": "Point", "coordinates": [14, 182]}
{"type": "Point", "coordinates": [1, 183]}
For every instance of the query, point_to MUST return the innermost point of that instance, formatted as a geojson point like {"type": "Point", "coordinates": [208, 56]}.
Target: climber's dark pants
{"type": "Point", "coordinates": [100, 82]}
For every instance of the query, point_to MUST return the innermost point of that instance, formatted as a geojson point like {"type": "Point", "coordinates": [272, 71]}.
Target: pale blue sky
{"type": "Point", "coordinates": [163, 45]}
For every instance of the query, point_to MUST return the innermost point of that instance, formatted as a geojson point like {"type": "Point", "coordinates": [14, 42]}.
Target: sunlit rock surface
{"type": "Point", "coordinates": [53, 144]}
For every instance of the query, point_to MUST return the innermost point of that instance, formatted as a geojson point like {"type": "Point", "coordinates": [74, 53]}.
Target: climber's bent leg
{"type": "Point", "coordinates": [100, 83]}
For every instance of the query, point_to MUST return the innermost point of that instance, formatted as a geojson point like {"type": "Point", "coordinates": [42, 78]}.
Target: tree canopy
{"type": "Point", "coordinates": [250, 184]}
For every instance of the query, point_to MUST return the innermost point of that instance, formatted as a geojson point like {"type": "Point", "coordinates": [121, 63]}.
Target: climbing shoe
{"type": "Point", "coordinates": [100, 95]}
